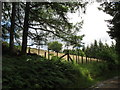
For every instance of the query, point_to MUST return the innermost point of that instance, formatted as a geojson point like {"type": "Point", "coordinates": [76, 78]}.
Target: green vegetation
{"type": "Point", "coordinates": [38, 72]}
{"type": "Point", "coordinates": [75, 52]}
{"type": "Point", "coordinates": [47, 20]}
{"type": "Point", "coordinates": [50, 20]}
{"type": "Point", "coordinates": [55, 46]}
{"type": "Point", "coordinates": [102, 51]}
{"type": "Point", "coordinates": [113, 9]}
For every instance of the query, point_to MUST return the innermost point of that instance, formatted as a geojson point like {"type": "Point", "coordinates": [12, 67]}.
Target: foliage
{"type": "Point", "coordinates": [55, 46]}
{"type": "Point", "coordinates": [113, 9]}
{"type": "Point", "coordinates": [5, 49]}
{"type": "Point", "coordinates": [102, 51]}
{"type": "Point", "coordinates": [50, 18]}
{"type": "Point", "coordinates": [99, 71]}
{"type": "Point", "coordinates": [38, 72]}
{"type": "Point", "coordinates": [74, 41]}
{"type": "Point", "coordinates": [75, 52]}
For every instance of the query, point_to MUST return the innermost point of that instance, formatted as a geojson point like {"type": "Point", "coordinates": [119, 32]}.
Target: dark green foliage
{"type": "Point", "coordinates": [5, 47]}
{"type": "Point", "coordinates": [99, 71]}
{"type": "Point", "coordinates": [55, 46]}
{"type": "Point", "coordinates": [50, 18]}
{"type": "Point", "coordinates": [113, 9]}
{"type": "Point", "coordinates": [102, 51]}
{"type": "Point", "coordinates": [75, 52]}
{"type": "Point", "coordinates": [38, 72]}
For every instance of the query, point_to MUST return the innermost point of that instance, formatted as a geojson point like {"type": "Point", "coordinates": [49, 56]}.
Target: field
{"type": "Point", "coordinates": [74, 57]}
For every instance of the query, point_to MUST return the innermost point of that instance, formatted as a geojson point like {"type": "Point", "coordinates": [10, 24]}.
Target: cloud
{"type": "Point", "coordinates": [94, 26]}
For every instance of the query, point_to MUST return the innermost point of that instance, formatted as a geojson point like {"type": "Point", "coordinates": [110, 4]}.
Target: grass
{"type": "Point", "coordinates": [38, 72]}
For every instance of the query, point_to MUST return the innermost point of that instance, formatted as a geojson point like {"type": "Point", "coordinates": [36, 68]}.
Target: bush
{"type": "Point", "coordinates": [5, 47]}
{"type": "Point", "coordinates": [26, 71]}
{"type": "Point", "coordinates": [38, 72]}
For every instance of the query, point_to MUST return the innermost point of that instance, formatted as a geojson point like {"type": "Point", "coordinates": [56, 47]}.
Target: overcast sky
{"type": "Point", "coordinates": [94, 26]}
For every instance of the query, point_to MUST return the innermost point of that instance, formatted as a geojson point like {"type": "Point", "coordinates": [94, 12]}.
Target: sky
{"type": "Point", "coordinates": [94, 26]}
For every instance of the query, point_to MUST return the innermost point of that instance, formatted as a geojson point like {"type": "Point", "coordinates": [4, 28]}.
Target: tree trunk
{"type": "Point", "coordinates": [68, 56]}
{"type": "Point", "coordinates": [25, 29]}
{"type": "Point", "coordinates": [82, 59]}
{"type": "Point", "coordinates": [11, 44]}
{"type": "Point", "coordinates": [29, 50]}
{"type": "Point", "coordinates": [57, 54]}
{"type": "Point", "coordinates": [45, 54]}
{"type": "Point", "coordinates": [38, 50]}
{"type": "Point", "coordinates": [86, 59]}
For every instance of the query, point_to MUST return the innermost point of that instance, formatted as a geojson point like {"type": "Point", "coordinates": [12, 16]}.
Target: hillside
{"type": "Point", "coordinates": [38, 72]}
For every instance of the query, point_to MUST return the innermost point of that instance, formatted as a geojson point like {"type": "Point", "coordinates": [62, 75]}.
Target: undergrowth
{"type": "Point", "coordinates": [38, 72]}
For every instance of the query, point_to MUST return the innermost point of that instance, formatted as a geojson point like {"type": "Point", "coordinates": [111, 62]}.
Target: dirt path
{"type": "Point", "coordinates": [111, 83]}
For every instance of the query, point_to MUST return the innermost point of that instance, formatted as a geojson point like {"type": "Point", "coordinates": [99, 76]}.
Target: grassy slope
{"type": "Point", "coordinates": [38, 72]}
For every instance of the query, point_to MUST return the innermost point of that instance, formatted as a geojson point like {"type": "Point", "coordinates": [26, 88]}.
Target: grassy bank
{"type": "Point", "coordinates": [38, 72]}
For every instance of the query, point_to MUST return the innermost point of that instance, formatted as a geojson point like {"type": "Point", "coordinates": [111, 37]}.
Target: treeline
{"type": "Point", "coordinates": [101, 51]}
{"type": "Point", "coordinates": [97, 50]}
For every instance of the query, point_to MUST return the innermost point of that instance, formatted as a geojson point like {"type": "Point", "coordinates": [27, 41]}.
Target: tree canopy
{"type": "Point", "coordinates": [55, 46]}
{"type": "Point", "coordinates": [49, 18]}
{"type": "Point", "coordinates": [113, 9]}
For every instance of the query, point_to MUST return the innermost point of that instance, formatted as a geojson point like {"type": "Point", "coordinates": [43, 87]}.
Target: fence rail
{"type": "Point", "coordinates": [66, 56]}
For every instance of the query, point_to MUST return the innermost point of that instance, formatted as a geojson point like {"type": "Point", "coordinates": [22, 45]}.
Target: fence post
{"type": "Point", "coordinates": [89, 59]}
{"type": "Point", "coordinates": [97, 60]}
{"type": "Point", "coordinates": [73, 56]}
{"type": "Point", "coordinates": [57, 54]}
{"type": "Point", "coordinates": [29, 50]}
{"type": "Point", "coordinates": [76, 58]}
{"type": "Point", "coordinates": [86, 59]}
{"type": "Point", "coordinates": [38, 50]}
{"type": "Point", "coordinates": [45, 54]}
{"type": "Point", "coordinates": [48, 54]}
{"type": "Point", "coordinates": [82, 59]}
{"type": "Point", "coordinates": [68, 55]}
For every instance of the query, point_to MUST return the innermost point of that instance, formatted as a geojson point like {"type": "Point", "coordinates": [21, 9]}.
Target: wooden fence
{"type": "Point", "coordinates": [66, 56]}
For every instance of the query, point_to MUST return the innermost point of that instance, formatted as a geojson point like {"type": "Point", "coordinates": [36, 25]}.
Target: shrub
{"type": "Point", "coordinates": [5, 47]}
{"type": "Point", "coordinates": [26, 71]}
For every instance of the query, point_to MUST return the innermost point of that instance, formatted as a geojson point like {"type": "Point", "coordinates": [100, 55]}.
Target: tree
{"type": "Point", "coordinates": [8, 23]}
{"type": "Point", "coordinates": [113, 9]}
{"type": "Point", "coordinates": [52, 18]}
{"type": "Point", "coordinates": [11, 44]}
{"type": "Point", "coordinates": [25, 29]}
{"type": "Point", "coordinates": [10, 19]}
{"type": "Point", "coordinates": [55, 46]}
{"type": "Point", "coordinates": [39, 39]}
{"type": "Point", "coordinates": [102, 51]}
{"type": "Point", "coordinates": [49, 17]}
